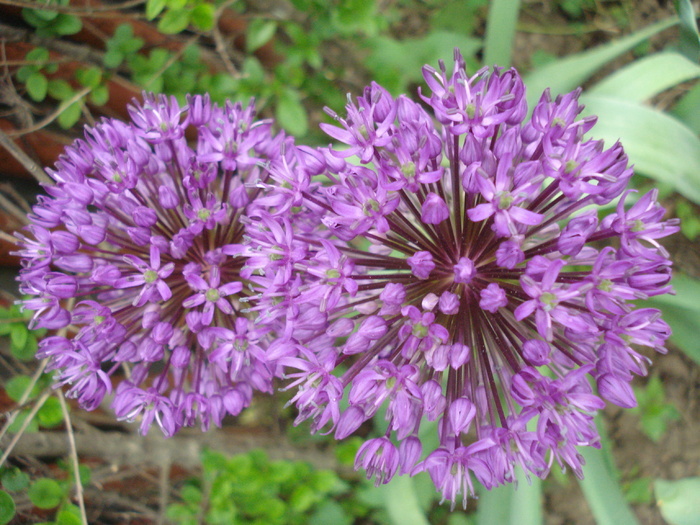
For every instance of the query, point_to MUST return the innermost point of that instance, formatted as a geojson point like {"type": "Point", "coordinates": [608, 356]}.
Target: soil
{"type": "Point", "coordinates": [128, 483]}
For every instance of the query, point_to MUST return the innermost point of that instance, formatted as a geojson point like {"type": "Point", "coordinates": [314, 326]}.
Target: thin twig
{"type": "Point", "coordinates": [10, 190]}
{"type": "Point", "coordinates": [163, 487]}
{"type": "Point", "coordinates": [67, 9]}
{"type": "Point", "coordinates": [221, 43]}
{"type": "Point", "coordinates": [53, 116]}
{"type": "Point", "coordinates": [24, 159]}
{"type": "Point", "coordinates": [11, 445]}
{"type": "Point", "coordinates": [13, 209]}
{"type": "Point", "coordinates": [74, 457]}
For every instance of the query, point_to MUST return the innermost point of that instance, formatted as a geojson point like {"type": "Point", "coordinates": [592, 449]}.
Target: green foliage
{"type": "Point", "coordinates": [23, 342]}
{"type": "Point", "coordinates": [7, 507]}
{"type": "Point", "coordinates": [122, 44]}
{"type": "Point", "coordinates": [678, 500]}
{"type": "Point", "coordinates": [14, 480]}
{"type": "Point", "coordinates": [653, 410]}
{"type": "Point", "coordinates": [177, 15]}
{"type": "Point", "coordinates": [46, 493]}
{"type": "Point", "coordinates": [638, 490]}
{"type": "Point", "coordinates": [49, 23]}
{"type": "Point", "coordinates": [250, 488]}
{"type": "Point", "coordinates": [690, 219]}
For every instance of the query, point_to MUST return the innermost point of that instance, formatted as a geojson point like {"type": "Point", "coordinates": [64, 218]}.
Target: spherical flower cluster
{"type": "Point", "coordinates": [135, 253]}
{"type": "Point", "coordinates": [460, 271]}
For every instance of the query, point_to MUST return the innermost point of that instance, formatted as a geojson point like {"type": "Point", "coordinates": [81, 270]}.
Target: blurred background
{"type": "Point", "coordinates": [68, 63]}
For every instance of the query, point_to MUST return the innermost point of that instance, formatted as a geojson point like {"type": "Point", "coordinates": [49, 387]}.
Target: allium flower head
{"type": "Point", "coordinates": [461, 273]}
{"type": "Point", "coordinates": [136, 253]}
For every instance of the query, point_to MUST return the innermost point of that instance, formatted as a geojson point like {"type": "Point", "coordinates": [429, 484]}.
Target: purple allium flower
{"type": "Point", "coordinates": [137, 253]}
{"type": "Point", "coordinates": [460, 272]}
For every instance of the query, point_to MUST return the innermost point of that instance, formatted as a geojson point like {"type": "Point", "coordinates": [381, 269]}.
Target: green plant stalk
{"type": "Point", "coordinates": [601, 487]}
{"type": "Point", "coordinates": [500, 32]}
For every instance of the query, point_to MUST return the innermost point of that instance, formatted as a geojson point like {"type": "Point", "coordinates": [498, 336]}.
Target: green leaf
{"type": "Point", "coordinates": [682, 313]}
{"type": "Point", "coordinates": [37, 85]}
{"type": "Point", "coordinates": [174, 21]}
{"type": "Point", "coordinates": [60, 89]}
{"type": "Point", "coordinates": [500, 32]}
{"type": "Point", "coordinates": [291, 114]}
{"type": "Point", "coordinates": [603, 492]}
{"type": "Point", "coordinates": [28, 351]}
{"type": "Point", "coordinates": [647, 77]}
{"type": "Point", "coordinates": [202, 16]}
{"type": "Point", "coordinates": [678, 500]}
{"type": "Point", "coordinates": [689, 41]}
{"type": "Point", "coordinates": [45, 493]}
{"type": "Point", "coordinates": [569, 73]}
{"type": "Point", "coordinates": [658, 145]}
{"type": "Point", "coordinates": [259, 33]}
{"type": "Point", "coordinates": [18, 336]}
{"type": "Point", "coordinates": [38, 54]}
{"type": "Point", "coordinates": [32, 426]}
{"type": "Point", "coordinates": [510, 506]}
{"type": "Point", "coordinates": [302, 498]}
{"type": "Point", "coordinates": [16, 387]}
{"type": "Point", "coordinates": [25, 72]}
{"type": "Point", "coordinates": [113, 58]}
{"type": "Point", "coordinates": [153, 9]}
{"type": "Point", "coordinates": [50, 414]}
{"type": "Point", "coordinates": [7, 507]}
{"type": "Point", "coordinates": [89, 77]}
{"type": "Point", "coordinates": [330, 512]}
{"type": "Point", "coordinates": [69, 515]}
{"type": "Point", "coordinates": [100, 95]}
{"type": "Point", "coordinates": [15, 480]}
{"type": "Point", "coordinates": [66, 25]}
{"type": "Point", "coordinates": [70, 115]}
{"type": "Point", "coordinates": [402, 502]}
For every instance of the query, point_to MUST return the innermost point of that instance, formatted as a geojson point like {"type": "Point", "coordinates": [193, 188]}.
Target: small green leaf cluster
{"type": "Point", "coordinates": [178, 15]}
{"type": "Point", "coordinates": [654, 412]}
{"type": "Point", "coordinates": [250, 488]}
{"type": "Point", "coordinates": [43, 493]}
{"type": "Point", "coordinates": [50, 23]}
{"type": "Point", "coordinates": [39, 86]}
{"type": "Point", "coordinates": [23, 342]}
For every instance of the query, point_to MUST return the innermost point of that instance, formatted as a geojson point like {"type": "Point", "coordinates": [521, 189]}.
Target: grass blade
{"type": "Point", "coordinates": [658, 145]}
{"type": "Point", "coordinates": [508, 506]}
{"type": "Point", "coordinates": [568, 73]}
{"type": "Point", "coordinates": [500, 32]}
{"type": "Point", "coordinates": [603, 492]}
{"type": "Point", "coordinates": [647, 77]}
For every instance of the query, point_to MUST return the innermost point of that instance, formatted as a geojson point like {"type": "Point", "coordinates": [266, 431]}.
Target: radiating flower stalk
{"type": "Point", "coordinates": [454, 265]}
{"type": "Point", "coordinates": [144, 232]}
{"type": "Point", "coordinates": [451, 268]}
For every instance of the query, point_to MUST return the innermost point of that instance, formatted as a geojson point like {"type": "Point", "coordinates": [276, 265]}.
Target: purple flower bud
{"type": "Point", "coordinates": [144, 216]}
{"type": "Point", "coordinates": [167, 197]}
{"type": "Point", "coordinates": [449, 303]}
{"type": "Point", "coordinates": [493, 297]}
{"type": "Point", "coordinates": [536, 352]}
{"type": "Point", "coordinates": [434, 209]}
{"type": "Point", "coordinates": [460, 354]}
{"type": "Point", "coordinates": [409, 453]}
{"type": "Point", "coordinates": [421, 264]}
{"type": "Point", "coordinates": [464, 271]}
{"type": "Point", "coordinates": [616, 391]}
{"type": "Point", "coordinates": [461, 413]}
{"type": "Point", "coordinates": [350, 421]}
{"type": "Point", "coordinates": [64, 242]}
